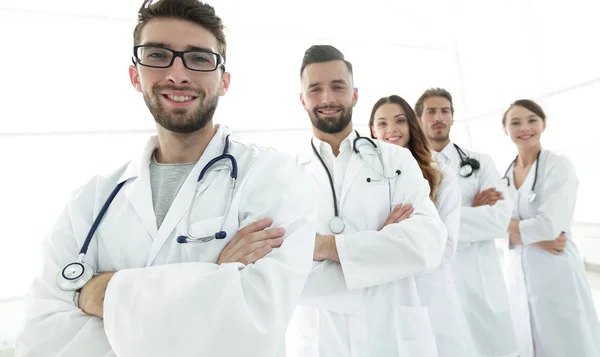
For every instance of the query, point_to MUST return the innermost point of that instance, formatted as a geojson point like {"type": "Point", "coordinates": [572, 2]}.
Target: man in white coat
{"type": "Point", "coordinates": [361, 298]}
{"type": "Point", "coordinates": [484, 218]}
{"type": "Point", "coordinates": [166, 284]}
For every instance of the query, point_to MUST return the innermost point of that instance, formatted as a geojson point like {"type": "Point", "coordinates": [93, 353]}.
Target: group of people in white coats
{"type": "Point", "coordinates": [360, 246]}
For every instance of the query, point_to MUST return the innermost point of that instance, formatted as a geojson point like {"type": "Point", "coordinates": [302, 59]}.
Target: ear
{"type": "Point", "coordinates": [134, 77]}
{"type": "Point", "coordinates": [225, 81]}
{"type": "Point", "coordinates": [543, 125]}
{"type": "Point", "coordinates": [505, 131]}
{"type": "Point", "coordinates": [302, 101]}
{"type": "Point", "coordinates": [355, 97]}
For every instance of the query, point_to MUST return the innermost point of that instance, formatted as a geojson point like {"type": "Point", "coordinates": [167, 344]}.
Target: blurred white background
{"type": "Point", "coordinates": [69, 111]}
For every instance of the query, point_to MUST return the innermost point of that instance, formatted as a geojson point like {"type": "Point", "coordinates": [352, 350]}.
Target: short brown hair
{"type": "Point", "coordinates": [323, 53]}
{"type": "Point", "coordinates": [430, 93]}
{"type": "Point", "coordinates": [194, 11]}
{"type": "Point", "coordinates": [527, 104]}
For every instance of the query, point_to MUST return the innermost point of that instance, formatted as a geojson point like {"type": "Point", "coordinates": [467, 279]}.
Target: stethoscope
{"type": "Point", "coordinates": [336, 224]}
{"type": "Point", "coordinates": [468, 165]}
{"type": "Point", "coordinates": [76, 274]}
{"type": "Point", "coordinates": [532, 194]}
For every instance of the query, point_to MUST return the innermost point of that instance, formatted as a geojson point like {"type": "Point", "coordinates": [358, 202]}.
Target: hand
{"type": "Point", "coordinates": [252, 243]}
{"type": "Point", "coordinates": [91, 297]}
{"type": "Point", "coordinates": [325, 248]}
{"type": "Point", "coordinates": [515, 238]}
{"type": "Point", "coordinates": [556, 246]}
{"type": "Point", "coordinates": [488, 197]}
{"type": "Point", "coordinates": [400, 213]}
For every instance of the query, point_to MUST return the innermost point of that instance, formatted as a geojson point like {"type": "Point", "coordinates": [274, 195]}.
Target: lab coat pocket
{"type": "Point", "coordinates": [414, 334]}
{"type": "Point", "coordinates": [469, 187]}
{"type": "Point", "coordinates": [205, 251]}
{"type": "Point", "coordinates": [493, 283]}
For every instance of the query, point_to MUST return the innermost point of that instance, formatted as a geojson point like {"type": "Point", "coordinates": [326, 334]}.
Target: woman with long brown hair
{"type": "Point", "coordinates": [394, 121]}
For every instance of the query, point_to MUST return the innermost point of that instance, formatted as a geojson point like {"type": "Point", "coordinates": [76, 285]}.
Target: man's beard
{"type": "Point", "coordinates": [331, 125]}
{"type": "Point", "coordinates": [177, 120]}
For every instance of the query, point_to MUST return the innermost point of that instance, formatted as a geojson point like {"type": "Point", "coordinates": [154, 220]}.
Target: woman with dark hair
{"type": "Point", "coordinates": [550, 297]}
{"type": "Point", "coordinates": [394, 121]}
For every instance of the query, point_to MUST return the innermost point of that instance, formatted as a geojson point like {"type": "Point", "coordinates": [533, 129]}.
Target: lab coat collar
{"type": "Point", "coordinates": [139, 190]}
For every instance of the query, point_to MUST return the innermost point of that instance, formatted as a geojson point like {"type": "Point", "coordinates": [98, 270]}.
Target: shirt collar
{"type": "Point", "coordinates": [345, 146]}
{"type": "Point", "coordinates": [141, 164]}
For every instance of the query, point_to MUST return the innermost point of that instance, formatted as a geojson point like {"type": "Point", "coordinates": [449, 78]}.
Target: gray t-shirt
{"type": "Point", "coordinates": [166, 180]}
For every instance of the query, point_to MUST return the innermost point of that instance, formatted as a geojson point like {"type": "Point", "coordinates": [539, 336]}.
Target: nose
{"type": "Point", "coordinates": [326, 97]}
{"type": "Point", "coordinates": [177, 73]}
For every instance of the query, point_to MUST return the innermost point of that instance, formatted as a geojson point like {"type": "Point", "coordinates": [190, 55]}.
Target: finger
{"type": "Point", "coordinates": [252, 227]}
{"type": "Point", "coordinates": [256, 237]}
{"type": "Point", "coordinates": [397, 214]}
{"type": "Point", "coordinates": [405, 215]}
{"type": "Point", "coordinates": [397, 208]}
{"type": "Point", "coordinates": [405, 209]}
{"type": "Point", "coordinates": [255, 227]}
{"type": "Point", "coordinates": [248, 249]}
{"type": "Point", "coordinates": [255, 255]}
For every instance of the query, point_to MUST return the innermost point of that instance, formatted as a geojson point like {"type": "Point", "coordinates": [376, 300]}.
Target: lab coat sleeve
{"type": "Point", "coordinates": [449, 201]}
{"type": "Point", "coordinates": [410, 247]}
{"type": "Point", "coordinates": [54, 325]}
{"type": "Point", "coordinates": [204, 309]}
{"type": "Point", "coordinates": [555, 212]}
{"type": "Point", "coordinates": [486, 222]}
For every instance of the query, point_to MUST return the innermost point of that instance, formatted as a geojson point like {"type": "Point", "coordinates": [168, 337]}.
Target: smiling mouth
{"type": "Point", "coordinates": [179, 98]}
{"type": "Point", "coordinates": [525, 137]}
{"type": "Point", "coordinates": [394, 138]}
{"type": "Point", "coordinates": [329, 111]}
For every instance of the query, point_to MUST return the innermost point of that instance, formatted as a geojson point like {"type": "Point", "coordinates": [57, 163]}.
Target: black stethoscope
{"type": "Point", "coordinates": [468, 165]}
{"type": "Point", "coordinates": [336, 224]}
{"type": "Point", "coordinates": [532, 194]}
{"type": "Point", "coordinates": [76, 274]}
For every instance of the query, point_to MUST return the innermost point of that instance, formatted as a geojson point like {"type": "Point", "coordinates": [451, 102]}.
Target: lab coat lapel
{"type": "Point", "coordinates": [139, 192]}
{"type": "Point", "coordinates": [182, 201]}
{"type": "Point", "coordinates": [355, 165]}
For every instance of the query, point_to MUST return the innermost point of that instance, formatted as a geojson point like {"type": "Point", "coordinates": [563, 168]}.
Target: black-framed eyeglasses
{"type": "Point", "coordinates": [161, 57]}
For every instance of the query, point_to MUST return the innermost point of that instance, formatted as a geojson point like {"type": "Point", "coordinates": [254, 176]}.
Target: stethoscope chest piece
{"type": "Point", "coordinates": [465, 170]}
{"type": "Point", "coordinates": [532, 196]}
{"type": "Point", "coordinates": [74, 276]}
{"type": "Point", "coordinates": [336, 225]}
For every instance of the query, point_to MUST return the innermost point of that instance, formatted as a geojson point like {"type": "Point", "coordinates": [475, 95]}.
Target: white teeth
{"type": "Point", "coordinates": [393, 139]}
{"type": "Point", "coordinates": [180, 98]}
{"type": "Point", "coordinates": [328, 111]}
{"type": "Point", "coordinates": [526, 137]}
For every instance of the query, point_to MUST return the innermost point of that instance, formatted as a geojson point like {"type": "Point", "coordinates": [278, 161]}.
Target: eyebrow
{"type": "Point", "coordinates": [532, 116]}
{"type": "Point", "coordinates": [335, 81]}
{"type": "Point", "coordinates": [395, 117]}
{"type": "Point", "coordinates": [187, 48]}
{"type": "Point", "coordinates": [437, 108]}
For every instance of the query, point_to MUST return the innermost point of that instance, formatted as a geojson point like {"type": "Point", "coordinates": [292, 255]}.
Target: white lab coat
{"type": "Point", "coordinates": [171, 299]}
{"type": "Point", "coordinates": [477, 271]}
{"type": "Point", "coordinates": [368, 305]}
{"type": "Point", "coordinates": [437, 289]}
{"type": "Point", "coordinates": [551, 292]}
